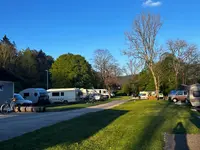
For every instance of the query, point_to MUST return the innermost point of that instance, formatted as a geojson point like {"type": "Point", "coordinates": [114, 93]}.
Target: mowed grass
{"type": "Point", "coordinates": [131, 126]}
{"type": "Point", "coordinates": [64, 107]}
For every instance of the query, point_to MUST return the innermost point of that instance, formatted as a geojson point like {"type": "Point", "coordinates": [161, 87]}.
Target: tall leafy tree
{"type": "Point", "coordinates": [8, 53]}
{"type": "Point", "coordinates": [71, 71]}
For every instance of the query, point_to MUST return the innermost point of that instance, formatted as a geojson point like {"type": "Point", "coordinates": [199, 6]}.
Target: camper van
{"type": "Point", "coordinates": [194, 94]}
{"type": "Point", "coordinates": [36, 95]}
{"type": "Point", "coordinates": [65, 95]}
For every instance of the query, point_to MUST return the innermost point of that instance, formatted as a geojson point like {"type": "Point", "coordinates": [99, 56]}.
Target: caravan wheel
{"type": "Point", "coordinates": [175, 100]}
{"type": "Point", "coordinates": [65, 102]}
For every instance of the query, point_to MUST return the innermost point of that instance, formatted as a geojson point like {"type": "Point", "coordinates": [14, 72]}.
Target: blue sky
{"type": "Point", "coordinates": [82, 26]}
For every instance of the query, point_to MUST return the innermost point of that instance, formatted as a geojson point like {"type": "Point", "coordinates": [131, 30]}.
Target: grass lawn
{"type": "Point", "coordinates": [131, 126]}
{"type": "Point", "coordinates": [63, 107]}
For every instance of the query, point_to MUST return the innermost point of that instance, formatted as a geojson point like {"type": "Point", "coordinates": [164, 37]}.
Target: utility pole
{"type": "Point", "coordinates": [47, 79]}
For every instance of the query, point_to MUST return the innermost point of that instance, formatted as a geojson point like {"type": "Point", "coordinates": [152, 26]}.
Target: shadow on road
{"type": "Point", "coordinates": [180, 137]}
{"type": "Point", "coordinates": [67, 132]}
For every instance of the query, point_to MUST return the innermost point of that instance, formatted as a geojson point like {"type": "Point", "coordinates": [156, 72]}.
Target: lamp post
{"type": "Point", "coordinates": [47, 78]}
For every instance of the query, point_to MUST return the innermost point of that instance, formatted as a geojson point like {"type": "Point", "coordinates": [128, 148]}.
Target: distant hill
{"type": "Point", "coordinates": [124, 79]}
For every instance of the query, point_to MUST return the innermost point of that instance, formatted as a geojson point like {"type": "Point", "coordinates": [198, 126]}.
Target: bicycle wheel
{"type": "Point", "coordinates": [5, 109]}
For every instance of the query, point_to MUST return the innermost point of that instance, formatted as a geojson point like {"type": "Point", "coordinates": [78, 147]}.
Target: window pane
{"type": "Point", "coordinates": [26, 94]}
{"type": "Point", "coordinates": [55, 94]}
{"type": "Point", "coordinates": [62, 93]}
{"type": "Point", "coordinates": [196, 93]}
{"type": "Point", "coordinates": [1, 87]}
{"type": "Point", "coordinates": [180, 93]}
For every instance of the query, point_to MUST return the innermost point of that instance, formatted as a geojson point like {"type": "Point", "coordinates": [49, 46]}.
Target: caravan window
{"type": "Point", "coordinates": [100, 91]}
{"type": "Point", "coordinates": [62, 93]}
{"type": "Point", "coordinates": [55, 94]}
{"type": "Point", "coordinates": [104, 92]}
{"type": "Point", "coordinates": [196, 93]}
{"type": "Point", "coordinates": [26, 94]}
{"type": "Point", "coordinates": [1, 87]}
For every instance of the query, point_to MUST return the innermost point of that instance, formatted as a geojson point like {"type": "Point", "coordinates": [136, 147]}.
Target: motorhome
{"type": "Point", "coordinates": [194, 94]}
{"type": "Point", "coordinates": [64, 95]}
{"type": "Point", "coordinates": [36, 95]}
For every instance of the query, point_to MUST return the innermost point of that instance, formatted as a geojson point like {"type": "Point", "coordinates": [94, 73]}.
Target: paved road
{"type": "Point", "coordinates": [182, 142]}
{"type": "Point", "coordinates": [17, 124]}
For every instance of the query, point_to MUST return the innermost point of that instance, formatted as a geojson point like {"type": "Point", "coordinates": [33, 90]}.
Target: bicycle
{"type": "Point", "coordinates": [8, 107]}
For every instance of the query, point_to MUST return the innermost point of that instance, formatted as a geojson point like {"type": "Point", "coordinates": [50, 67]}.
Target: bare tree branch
{"type": "Point", "coordinates": [142, 42]}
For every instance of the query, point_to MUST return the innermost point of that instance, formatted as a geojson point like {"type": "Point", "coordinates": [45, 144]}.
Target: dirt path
{"type": "Point", "coordinates": [17, 124]}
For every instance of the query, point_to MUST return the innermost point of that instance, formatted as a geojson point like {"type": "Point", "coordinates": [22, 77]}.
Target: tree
{"type": "Point", "coordinates": [165, 73]}
{"type": "Point", "coordinates": [8, 53]}
{"type": "Point", "coordinates": [133, 67]}
{"type": "Point", "coordinates": [182, 53]}
{"type": "Point", "coordinates": [126, 88]}
{"type": "Point", "coordinates": [142, 42]}
{"type": "Point", "coordinates": [106, 65]}
{"type": "Point", "coordinates": [71, 71]}
{"type": "Point", "coordinates": [27, 67]}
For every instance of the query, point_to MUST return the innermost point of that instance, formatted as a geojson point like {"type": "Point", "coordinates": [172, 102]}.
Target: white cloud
{"type": "Point", "coordinates": [150, 3]}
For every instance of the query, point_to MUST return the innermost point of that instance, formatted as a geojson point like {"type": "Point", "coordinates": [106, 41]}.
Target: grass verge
{"type": "Point", "coordinates": [133, 125]}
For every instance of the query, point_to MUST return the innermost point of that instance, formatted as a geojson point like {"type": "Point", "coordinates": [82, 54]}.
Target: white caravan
{"type": "Point", "coordinates": [99, 91]}
{"type": "Point", "coordinates": [64, 95]}
{"type": "Point", "coordinates": [194, 95]}
{"type": "Point", "coordinates": [36, 95]}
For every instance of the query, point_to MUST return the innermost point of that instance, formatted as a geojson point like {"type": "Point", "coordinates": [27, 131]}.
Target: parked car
{"type": "Point", "coordinates": [19, 100]}
{"type": "Point", "coordinates": [171, 94]}
{"type": "Point", "coordinates": [180, 96]}
{"type": "Point", "coordinates": [36, 95]}
{"type": "Point", "coordinates": [98, 97]}
{"type": "Point", "coordinates": [161, 96]}
{"type": "Point", "coordinates": [194, 95]}
{"type": "Point", "coordinates": [112, 95]}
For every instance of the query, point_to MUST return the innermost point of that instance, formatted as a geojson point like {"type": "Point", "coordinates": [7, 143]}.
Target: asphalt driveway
{"type": "Point", "coordinates": [16, 124]}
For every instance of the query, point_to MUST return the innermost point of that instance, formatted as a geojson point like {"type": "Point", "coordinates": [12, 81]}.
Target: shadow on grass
{"type": "Point", "coordinates": [149, 132]}
{"type": "Point", "coordinates": [65, 133]}
{"type": "Point", "coordinates": [195, 120]}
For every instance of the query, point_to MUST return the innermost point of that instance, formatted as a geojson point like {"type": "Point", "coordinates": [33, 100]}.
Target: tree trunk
{"type": "Point", "coordinates": [176, 81]}
{"type": "Point", "coordinates": [155, 82]}
{"type": "Point", "coordinates": [109, 92]}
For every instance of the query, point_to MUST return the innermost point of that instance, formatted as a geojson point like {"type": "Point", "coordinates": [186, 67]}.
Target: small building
{"type": "Point", "coordinates": [7, 80]}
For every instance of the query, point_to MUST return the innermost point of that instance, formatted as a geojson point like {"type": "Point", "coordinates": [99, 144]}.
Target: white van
{"type": "Point", "coordinates": [36, 95]}
{"type": "Point", "coordinates": [144, 95]}
{"type": "Point", "coordinates": [64, 95]}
